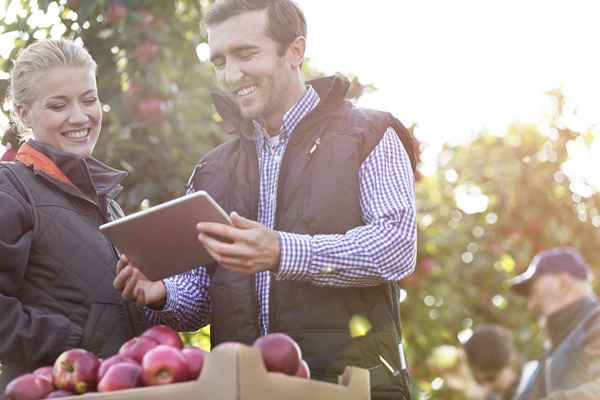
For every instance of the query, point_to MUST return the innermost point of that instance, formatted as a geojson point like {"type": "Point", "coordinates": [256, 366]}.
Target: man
{"type": "Point", "coordinates": [321, 198]}
{"type": "Point", "coordinates": [557, 284]}
{"type": "Point", "coordinates": [493, 361]}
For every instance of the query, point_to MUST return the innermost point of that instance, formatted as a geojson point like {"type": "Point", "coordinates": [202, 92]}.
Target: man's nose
{"type": "Point", "coordinates": [233, 74]}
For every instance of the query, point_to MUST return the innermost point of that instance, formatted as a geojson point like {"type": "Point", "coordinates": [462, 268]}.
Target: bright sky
{"type": "Point", "coordinates": [457, 67]}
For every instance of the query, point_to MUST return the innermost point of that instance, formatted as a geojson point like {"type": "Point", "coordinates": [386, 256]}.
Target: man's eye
{"type": "Point", "coordinates": [91, 100]}
{"type": "Point", "coordinates": [246, 56]}
{"type": "Point", "coordinates": [56, 107]}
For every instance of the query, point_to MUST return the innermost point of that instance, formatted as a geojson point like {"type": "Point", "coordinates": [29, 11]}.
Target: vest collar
{"type": "Point", "coordinates": [331, 90]}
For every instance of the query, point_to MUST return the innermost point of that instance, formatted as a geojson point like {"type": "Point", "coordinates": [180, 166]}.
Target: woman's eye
{"type": "Point", "coordinates": [91, 100]}
{"type": "Point", "coordinates": [56, 107]}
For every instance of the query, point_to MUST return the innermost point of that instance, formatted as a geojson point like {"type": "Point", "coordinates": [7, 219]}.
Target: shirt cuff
{"type": "Point", "coordinates": [295, 256]}
{"type": "Point", "coordinates": [171, 299]}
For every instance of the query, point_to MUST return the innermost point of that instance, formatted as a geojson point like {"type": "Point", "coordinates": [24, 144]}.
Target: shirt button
{"type": "Point", "coordinates": [328, 269]}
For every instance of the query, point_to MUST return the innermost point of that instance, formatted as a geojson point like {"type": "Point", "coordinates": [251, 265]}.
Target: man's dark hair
{"type": "Point", "coordinates": [285, 20]}
{"type": "Point", "coordinates": [490, 348]}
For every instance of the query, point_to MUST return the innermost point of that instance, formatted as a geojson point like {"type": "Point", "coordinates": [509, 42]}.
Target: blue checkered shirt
{"type": "Point", "coordinates": [381, 250]}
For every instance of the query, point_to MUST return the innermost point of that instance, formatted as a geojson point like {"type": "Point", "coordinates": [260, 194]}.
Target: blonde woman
{"type": "Point", "coordinates": [56, 269]}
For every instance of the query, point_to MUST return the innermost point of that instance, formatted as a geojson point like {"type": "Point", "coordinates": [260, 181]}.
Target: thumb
{"type": "Point", "coordinates": [243, 223]}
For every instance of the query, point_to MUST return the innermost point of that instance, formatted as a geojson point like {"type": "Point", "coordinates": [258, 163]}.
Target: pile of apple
{"type": "Point", "coordinates": [157, 357]}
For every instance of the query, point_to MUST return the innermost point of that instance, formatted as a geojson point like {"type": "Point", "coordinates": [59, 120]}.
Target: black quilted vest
{"type": "Point", "coordinates": [318, 193]}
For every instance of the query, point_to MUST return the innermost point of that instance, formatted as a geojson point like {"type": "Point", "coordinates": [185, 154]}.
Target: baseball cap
{"type": "Point", "coordinates": [552, 261]}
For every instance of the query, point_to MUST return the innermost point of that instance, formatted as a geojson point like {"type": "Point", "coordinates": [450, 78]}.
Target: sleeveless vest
{"type": "Point", "coordinates": [318, 193]}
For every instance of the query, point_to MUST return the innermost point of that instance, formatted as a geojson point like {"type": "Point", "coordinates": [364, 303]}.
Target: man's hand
{"type": "Point", "coordinates": [134, 285]}
{"type": "Point", "coordinates": [252, 246]}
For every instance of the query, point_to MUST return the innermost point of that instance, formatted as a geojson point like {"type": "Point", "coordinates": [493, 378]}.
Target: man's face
{"type": "Point", "coordinates": [544, 295]}
{"type": "Point", "coordinates": [248, 67]}
{"type": "Point", "coordinates": [66, 113]}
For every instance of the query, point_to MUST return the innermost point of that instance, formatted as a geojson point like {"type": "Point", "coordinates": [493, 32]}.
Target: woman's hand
{"type": "Point", "coordinates": [134, 286]}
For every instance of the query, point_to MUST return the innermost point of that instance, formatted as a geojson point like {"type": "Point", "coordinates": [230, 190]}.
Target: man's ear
{"type": "Point", "coordinates": [295, 52]}
{"type": "Point", "coordinates": [23, 113]}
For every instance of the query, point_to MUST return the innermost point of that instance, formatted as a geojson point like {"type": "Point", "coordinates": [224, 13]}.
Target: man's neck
{"type": "Point", "coordinates": [273, 123]}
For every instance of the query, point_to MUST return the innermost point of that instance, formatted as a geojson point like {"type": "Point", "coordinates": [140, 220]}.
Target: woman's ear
{"type": "Point", "coordinates": [23, 113]}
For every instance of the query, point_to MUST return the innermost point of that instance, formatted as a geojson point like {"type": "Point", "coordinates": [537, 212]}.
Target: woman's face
{"type": "Point", "coordinates": [66, 112]}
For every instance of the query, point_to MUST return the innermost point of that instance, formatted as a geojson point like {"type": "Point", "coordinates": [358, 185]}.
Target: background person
{"type": "Point", "coordinates": [56, 268]}
{"type": "Point", "coordinates": [558, 287]}
{"type": "Point", "coordinates": [494, 361]}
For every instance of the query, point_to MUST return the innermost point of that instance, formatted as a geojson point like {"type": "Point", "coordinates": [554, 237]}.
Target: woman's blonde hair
{"type": "Point", "coordinates": [39, 57]}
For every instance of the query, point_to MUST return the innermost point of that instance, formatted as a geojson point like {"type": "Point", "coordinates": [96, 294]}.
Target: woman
{"type": "Point", "coordinates": [56, 269]}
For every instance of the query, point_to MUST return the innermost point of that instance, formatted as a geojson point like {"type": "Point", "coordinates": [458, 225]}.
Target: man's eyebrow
{"type": "Point", "coordinates": [235, 49]}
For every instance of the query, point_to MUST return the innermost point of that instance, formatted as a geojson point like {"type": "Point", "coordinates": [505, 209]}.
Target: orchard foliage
{"type": "Point", "coordinates": [158, 117]}
{"type": "Point", "coordinates": [489, 208]}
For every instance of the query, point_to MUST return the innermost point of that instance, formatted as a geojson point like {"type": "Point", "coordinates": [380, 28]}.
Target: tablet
{"type": "Point", "coordinates": [163, 240]}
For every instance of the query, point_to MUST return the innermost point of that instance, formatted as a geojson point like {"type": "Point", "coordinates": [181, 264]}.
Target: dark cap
{"type": "Point", "coordinates": [490, 348]}
{"type": "Point", "coordinates": [553, 261]}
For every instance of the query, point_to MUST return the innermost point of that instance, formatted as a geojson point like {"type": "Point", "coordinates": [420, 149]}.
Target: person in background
{"type": "Point", "coordinates": [56, 268]}
{"type": "Point", "coordinates": [11, 141]}
{"type": "Point", "coordinates": [494, 361]}
{"type": "Point", "coordinates": [322, 200]}
{"type": "Point", "coordinates": [559, 291]}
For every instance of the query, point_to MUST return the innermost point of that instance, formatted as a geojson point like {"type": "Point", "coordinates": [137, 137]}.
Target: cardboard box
{"type": "Point", "coordinates": [239, 374]}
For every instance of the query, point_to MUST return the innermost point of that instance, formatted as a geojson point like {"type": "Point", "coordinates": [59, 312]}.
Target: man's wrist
{"type": "Point", "coordinates": [295, 256]}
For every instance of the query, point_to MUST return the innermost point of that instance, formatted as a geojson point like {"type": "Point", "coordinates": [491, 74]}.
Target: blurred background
{"type": "Point", "coordinates": [504, 97]}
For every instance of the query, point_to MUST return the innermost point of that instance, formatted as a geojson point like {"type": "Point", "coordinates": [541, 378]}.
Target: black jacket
{"type": "Point", "coordinates": [56, 268]}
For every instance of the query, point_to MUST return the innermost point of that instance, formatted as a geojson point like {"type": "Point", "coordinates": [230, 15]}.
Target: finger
{"type": "Point", "coordinates": [219, 230]}
{"type": "Point", "coordinates": [243, 223]}
{"type": "Point", "coordinates": [129, 287]}
{"type": "Point", "coordinates": [121, 278]}
{"type": "Point", "coordinates": [140, 297]}
{"type": "Point", "coordinates": [122, 263]}
{"type": "Point", "coordinates": [223, 249]}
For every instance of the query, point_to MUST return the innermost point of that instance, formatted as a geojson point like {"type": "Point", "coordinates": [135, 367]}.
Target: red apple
{"type": "Point", "coordinates": [123, 375]}
{"type": "Point", "coordinates": [110, 361]}
{"type": "Point", "coordinates": [76, 370]}
{"type": "Point", "coordinates": [195, 360]}
{"type": "Point", "coordinates": [164, 334]}
{"type": "Point", "coordinates": [165, 364]}
{"type": "Point", "coordinates": [28, 387]}
{"type": "Point", "coordinates": [44, 372]}
{"type": "Point", "coordinates": [144, 19]}
{"type": "Point", "coordinates": [116, 12]}
{"type": "Point", "coordinates": [60, 393]}
{"type": "Point", "coordinates": [146, 51]}
{"type": "Point", "coordinates": [151, 109]}
{"type": "Point", "coordinates": [303, 370]}
{"type": "Point", "coordinates": [280, 353]}
{"type": "Point", "coordinates": [137, 347]}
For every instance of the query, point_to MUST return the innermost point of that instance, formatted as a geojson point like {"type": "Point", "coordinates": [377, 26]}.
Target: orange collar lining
{"type": "Point", "coordinates": [32, 157]}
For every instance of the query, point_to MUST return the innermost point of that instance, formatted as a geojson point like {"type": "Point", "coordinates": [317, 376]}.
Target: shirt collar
{"type": "Point", "coordinates": [307, 103]}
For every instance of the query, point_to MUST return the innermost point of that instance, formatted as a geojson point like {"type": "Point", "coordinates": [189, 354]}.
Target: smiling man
{"type": "Point", "coordinates": [322, 200]}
